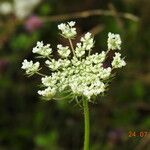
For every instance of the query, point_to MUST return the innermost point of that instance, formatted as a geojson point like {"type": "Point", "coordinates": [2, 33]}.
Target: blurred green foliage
{"type": "Point", "coordinates": [28, 123]}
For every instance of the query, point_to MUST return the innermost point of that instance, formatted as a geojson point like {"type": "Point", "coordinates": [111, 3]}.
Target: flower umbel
{"type": "Point", "coordinates": [114, 41]}
{"type": "Point", "coordinates": [117, 61]}
{"type": "Point", "coordinates": [44, 51]}
{"type": "Point", "coordinates": [82, 74]}
{"type": "Point", "coordinates": [63, 51]}
{"type": "Point", "coordinates": [67, 29]}
{"type": "Point", "coordinates": [30, 67]}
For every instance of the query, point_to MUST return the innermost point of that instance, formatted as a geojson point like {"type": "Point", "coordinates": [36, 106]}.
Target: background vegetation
{"type": "Point", "coordinates": [28, 123]}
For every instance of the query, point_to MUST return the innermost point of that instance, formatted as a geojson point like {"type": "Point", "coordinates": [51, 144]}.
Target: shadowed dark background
{"type": "Point", "coordinates": [28, 123]}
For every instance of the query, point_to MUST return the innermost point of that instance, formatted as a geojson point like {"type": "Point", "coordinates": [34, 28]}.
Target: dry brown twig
{"type": "Point", "coordinates": [84, 14]}
{"type": "Point", "coordinates": [88, 13]}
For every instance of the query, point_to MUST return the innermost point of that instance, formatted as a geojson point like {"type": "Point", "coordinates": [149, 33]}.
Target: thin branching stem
{"type": "Point", "coordinates": [41, 74]}
{"type": "Point", "coordinates": [49, 58]}
{"type": "Point", "coordinates": [71, 45]}
{"type": "Point", "coordinates": [89, 53]}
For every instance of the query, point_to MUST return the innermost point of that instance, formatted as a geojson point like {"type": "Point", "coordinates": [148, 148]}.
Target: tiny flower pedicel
{"type": "Point", "coordinates": [78, 73]}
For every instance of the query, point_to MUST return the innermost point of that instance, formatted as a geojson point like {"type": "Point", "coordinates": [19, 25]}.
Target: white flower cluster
{"type": "Point", "coordinates": [48, 92]}
{"type": "Point", "coordinates": [117, 61]}
{"type": "Point", "coordinates": [55, 65]}
{"type": "Point", "coordinates": [88, 41]}
{"type": "Point", "coordinates": [114, 41]}
{"type": "Point", "coordinates": [63, 51]}
{"type": "Point", "coordinates": [21, 8]}
{"type": "Point", "coordinates": [44, 51]}
{"type": "Point", "coordinates": [30, 67]}
{"type": "Point", "coordinates": [79, 72]}
{"type": "Point", "coordinates": [67, 29]}
{"type": "Point", "coordinates": [86, 44]}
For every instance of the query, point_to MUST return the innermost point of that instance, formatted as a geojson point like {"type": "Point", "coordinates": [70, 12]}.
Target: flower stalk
{"type": "Point", "coordinates": [41, 74]}
{"type": "Point", "coordinates": [71, 45]}
{"type": "Point", "coordinates": [86, 125]}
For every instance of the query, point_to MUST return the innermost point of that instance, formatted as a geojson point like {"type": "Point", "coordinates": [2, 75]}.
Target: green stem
{"type": "Point", "coordinates": [49, 58]}
{"type": "Point", "coordinates": [86, 124]}
{"type": "Point", "coordinates": [71, 46]}
{"type": "Point", "coordinates": [43, 75]}
{"type": "Point", "coordinates": [89, 53]}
